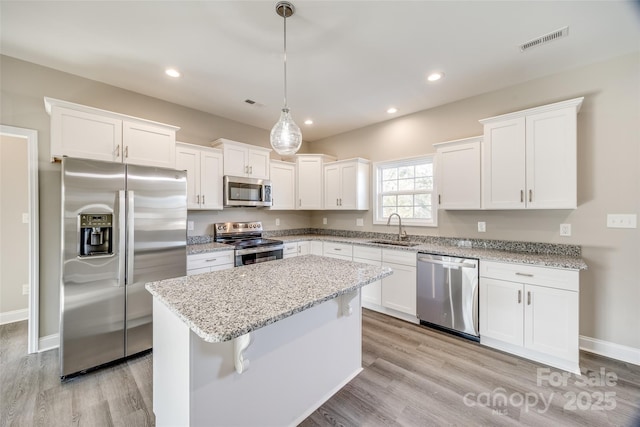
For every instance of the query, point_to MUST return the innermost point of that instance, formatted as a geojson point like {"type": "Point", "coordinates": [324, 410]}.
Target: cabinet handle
{"type": "Point", "coordinates": [530, 196]}
{"type": "Point", "coordinates": [198, 199]}
{"type": "Point", "coordinates": [529, 298]}
{"type": "Point", "coordinates": [439, 199]}
{"type": "Point", "coordinates": [524, 274]}
{"type": "Point", "coordinates": [251, 170]}
{"type": "Point", "coordinates": [118, 150]}
{"type": "Point", "coordinates": [203, 199]}
{"type": "Point", "coordinates": [337, 202]}
{"type": "Point", "coordinates": [521, 196]}
{"type": "Point", "coordinates": [519, 296]}
{"type": "Point", "coordinates": [340, 202]}
{"type": "Point", "coordinates": [337, 249]}
{"type": "Point", "coordinates": [126, 152]}
{"type": "Point", "coordinates": [299, 202]}
{"type": "Point", "coordinates": [212, 259]}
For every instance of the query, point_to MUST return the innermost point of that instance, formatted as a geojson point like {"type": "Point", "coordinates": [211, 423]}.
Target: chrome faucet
{"type": "Point", "coordinates": [402, 234]}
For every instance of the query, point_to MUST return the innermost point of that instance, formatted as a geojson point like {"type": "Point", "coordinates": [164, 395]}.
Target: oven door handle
{"type": "Point", "coordinates": [259, 249]}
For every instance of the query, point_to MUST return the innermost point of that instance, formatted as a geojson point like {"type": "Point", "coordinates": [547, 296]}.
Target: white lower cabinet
{"type": "Point", "coordinates": [208, 262]}
{"type": "Point", "coordinates": [290, 250]}
{"type": "Point", "coordinates": [316, 247]}
{"type": "Point", "coordinates": [399, 291]}
{"type": "Point", "coordinates": [372, 293]}
{"type": "Point", "coordinates": [304, 248]}
{"type": "Point", "coordinates": [338, 250]}
{"type": "Point", "coordinates": [531, 312]}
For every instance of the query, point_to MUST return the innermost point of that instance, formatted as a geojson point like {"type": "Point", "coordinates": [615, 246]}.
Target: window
{"type": "Point", "coordinates": [406, 187]}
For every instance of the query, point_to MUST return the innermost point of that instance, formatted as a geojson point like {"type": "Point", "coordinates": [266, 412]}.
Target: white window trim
{"type": "Point", "coordinates": [434, 192]}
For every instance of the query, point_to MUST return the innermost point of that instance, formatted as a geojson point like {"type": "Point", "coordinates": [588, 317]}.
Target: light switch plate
{"type": "Point", "coordinates": [482, 226]}
{"type": "Point", "coordinates": [277, 222]}
{"type": "Point", "coordinates": [25, 289]}
{"type": "Point", "coordinates": [565, 230]}
{"type": "Point", "coordinates": [324, 221]}
{"type": "Point", "coordinates": [359, 222]}
{"type": "Point", "coordinates": [622, 221]}
{"type": "Point", "coordinates": [25, 218]}
{"type": "Point", "coordinates": [190, 225]}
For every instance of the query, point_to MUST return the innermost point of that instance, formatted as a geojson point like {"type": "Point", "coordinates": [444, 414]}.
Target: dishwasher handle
{"type": "Point", "coordinates": [447, 264]}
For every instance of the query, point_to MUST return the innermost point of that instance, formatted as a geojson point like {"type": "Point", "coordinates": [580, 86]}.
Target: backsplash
{"type": "Point", "coordinates": [503, 245]}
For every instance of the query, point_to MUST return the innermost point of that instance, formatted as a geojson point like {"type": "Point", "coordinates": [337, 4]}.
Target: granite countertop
{"type": "Point", "coordinates": [202, 248]}
{"type": "Point", "coordinates": [215, 305]}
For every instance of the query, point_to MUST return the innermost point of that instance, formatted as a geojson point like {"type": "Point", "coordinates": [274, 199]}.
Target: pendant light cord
{"type": "Point", "coordinates": [285, 56]}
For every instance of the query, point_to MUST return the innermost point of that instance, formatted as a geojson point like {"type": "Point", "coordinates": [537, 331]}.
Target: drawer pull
{"type": "Point", "coordinates": [524, 274]}
{"type": "Point", "coordinates": [337, 249]}
{"type": "Point", "coordinates": [529, 298]}
{"type": "Point", "coordinates": [212, 259]}
{"type": "Point", "coordinates": [521, 196]}
{"type": "Point", "coordinates": [519, 296]}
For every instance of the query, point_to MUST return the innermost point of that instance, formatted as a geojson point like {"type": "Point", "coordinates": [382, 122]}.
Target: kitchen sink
{"type": "Point", "coordinates": [394, 242]}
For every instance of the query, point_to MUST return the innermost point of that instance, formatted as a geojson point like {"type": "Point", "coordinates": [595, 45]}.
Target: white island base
{"type": "Point", "coordinates": [295, 365]}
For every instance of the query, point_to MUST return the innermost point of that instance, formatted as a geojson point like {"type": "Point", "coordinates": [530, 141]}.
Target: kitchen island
{"type": "Point", "coordinates": [260, 345]}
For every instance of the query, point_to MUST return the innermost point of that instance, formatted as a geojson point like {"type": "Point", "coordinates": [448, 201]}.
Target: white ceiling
{"type": "Point", "coordinates": [348, 61]}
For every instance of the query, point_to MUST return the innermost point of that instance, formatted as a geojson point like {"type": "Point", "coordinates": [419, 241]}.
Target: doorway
{"type": "Point", "coordinates": [26, 166]}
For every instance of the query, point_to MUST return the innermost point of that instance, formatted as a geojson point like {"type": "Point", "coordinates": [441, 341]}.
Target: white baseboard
{"type": "Point", "coordinates": [611, 350]}
{"type": "Point", "coordinates": [49, 342]}
{"type": "Point", "coordinates": [14, 316]}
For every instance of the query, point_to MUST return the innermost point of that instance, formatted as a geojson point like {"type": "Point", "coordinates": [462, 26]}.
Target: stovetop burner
{"type": "Point", "coordinates": [242, 235]}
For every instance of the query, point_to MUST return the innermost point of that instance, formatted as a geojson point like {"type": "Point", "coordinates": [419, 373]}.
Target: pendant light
{"type": "Point", "coordinates": [286, 137]}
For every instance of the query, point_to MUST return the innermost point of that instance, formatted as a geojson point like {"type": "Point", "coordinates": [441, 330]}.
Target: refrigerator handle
{"type": "Point", "coordinates": [130, 236]}
{"type": "Point", "coordinates": [122, 235]}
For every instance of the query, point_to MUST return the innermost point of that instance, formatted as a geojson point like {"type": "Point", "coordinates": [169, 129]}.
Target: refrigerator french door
{"type": "Point", "coordinates": [122, 226]}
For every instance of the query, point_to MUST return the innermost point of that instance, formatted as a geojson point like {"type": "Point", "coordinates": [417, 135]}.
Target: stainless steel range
{"type": "Point", "coordinates": [246, 237]}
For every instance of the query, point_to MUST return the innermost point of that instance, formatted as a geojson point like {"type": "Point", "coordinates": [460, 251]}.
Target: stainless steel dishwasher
{"type": "Point", "coordinates": [448, 294]}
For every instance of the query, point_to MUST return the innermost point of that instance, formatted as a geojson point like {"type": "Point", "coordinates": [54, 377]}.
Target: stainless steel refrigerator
{"type": "Point", "coordinates": [122, 226]}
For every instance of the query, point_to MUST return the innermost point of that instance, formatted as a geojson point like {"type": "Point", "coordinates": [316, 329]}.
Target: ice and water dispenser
{"type": "Point", "coordinates": [96, 234]}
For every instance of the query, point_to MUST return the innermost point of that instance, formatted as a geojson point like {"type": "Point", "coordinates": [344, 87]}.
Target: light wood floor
{"type": "Point", "coordinates": [412, 376]}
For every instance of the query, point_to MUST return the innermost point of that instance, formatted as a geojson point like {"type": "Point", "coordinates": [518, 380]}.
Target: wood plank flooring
{"type": "Point", "coordinates": [412, 376]}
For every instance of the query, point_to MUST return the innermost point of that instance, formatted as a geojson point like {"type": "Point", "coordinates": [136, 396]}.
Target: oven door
{"type": "Point", "coordinates": [259, 254]}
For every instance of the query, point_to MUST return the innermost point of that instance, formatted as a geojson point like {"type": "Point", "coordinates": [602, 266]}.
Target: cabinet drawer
{"type": "Point", "coordinates": [290, 249]}
{"type": "Point", "coordinates": [210, 259]}
{"type": "Point", "coordinates": [366, 252]}
{"type": "Point", "coordinates": [399, 257]}
{"type": "Point", "coordinates": [529, 274]}
{"type": "Point", "coordinates": [343, 249]}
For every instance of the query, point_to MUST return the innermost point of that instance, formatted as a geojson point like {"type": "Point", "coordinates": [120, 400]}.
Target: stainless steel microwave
{"type": "Point", "coordinates": [247, 192]}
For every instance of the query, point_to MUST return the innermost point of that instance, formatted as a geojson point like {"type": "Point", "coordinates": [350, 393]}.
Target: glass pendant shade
{"type": "Point", "coordinates": [286, 137]}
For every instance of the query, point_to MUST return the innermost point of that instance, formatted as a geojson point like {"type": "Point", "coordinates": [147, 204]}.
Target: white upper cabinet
{"type": "Point", "coordinates": [244, 160]}
{"type": "Point", "coordinates": [283, 185]}
{"type": "Point", "coordinates": [91, 133]}
{"type": "Point", "coordinates": [346, 185]}
{"type": "Point", "coordinates": [458, 169]}
{"type": "Point", "coordinates": [529, 158]}
{"type": "Point", "coordinates": [204, 175]}
{"type": "Point", "coordinates": [310, 180]}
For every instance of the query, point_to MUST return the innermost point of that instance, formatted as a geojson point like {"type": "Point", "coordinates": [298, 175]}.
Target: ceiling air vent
{"type": "Point", "coordinates": [547, 38]}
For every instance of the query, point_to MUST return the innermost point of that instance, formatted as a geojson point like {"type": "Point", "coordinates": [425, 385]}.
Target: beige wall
{"type": "Point", "coordinates": [14, 234]}
{"type": "Point", "coordinates": [608, 169]}
{"type": "Point", "coordinates": [608, 181]}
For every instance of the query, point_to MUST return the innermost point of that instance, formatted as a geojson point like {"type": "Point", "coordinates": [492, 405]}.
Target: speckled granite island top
{"type": "Point", "coordinates": [226, 304]}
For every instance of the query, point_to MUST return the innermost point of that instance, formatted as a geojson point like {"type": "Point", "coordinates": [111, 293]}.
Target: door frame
{"type": "Point", "coordinates": [31, 137]}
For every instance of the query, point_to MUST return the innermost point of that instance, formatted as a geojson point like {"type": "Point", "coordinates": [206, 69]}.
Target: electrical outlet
{"type": "Point", "coordinates": [565, 230]}
{"type": "Point", "coordinates": [324, 221]}
{"type": "Point", "coordinates": [25, 289]}
{"type": "Point", "coordinates": [622, 220]}
{"type": "Point", "coordinates": [482, 226]}
{"type": "Point", "coordinates": [359, 222]}
{"type": "Point", "coordinates": [277, 222]}
{"type": "Point", "coordinates": [190, 225]}
{"type": "Point", "coordinates": [25, 218]}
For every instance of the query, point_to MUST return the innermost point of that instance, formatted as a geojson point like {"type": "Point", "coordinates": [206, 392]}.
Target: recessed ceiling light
{"type": "Point", "coordinates": [434, 77]}
{"type": "Point", "coordinates": [172, 72]}
{"type": "Point", "coordinates": [308, 122]}
{"type": "Point", "coordinates": [392, 110]}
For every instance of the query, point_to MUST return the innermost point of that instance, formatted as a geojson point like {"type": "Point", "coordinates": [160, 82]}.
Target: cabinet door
{"type": "Point", "coordinates": [85, 135]}
{"type": "Point", "coordinates": [332, 187]}
{"type": "Point", "coordinates": [371, 293]}
{"type": "Point", "coordinates": [290, 250]}
{"type": "Point", "coordinates": [349, 186]}
{"type": "Point", "coordinates": [188, 159]}
{"type": "Point", "coordinates": [211, 180]}
{"type": "Point", "coordinates": [501, 305]}
{"type": "Point", "coordinates": [236, 160]}
{"type": "Point", "coordinates": [149, 145]}
{"type": "Point", "coordinates": [258, 162]}
{"type": "Point", "coordinates": [503, 165]}
{"type": "Point", "coordinates": [551, 321]}
{"type": "Point", "coordinates": [310, 183]}
{"type": "Point", "coordinates": [316, 247]}
{"type": "Point", "coordinates": [459, 176]}
{"type": "Point", "coordinates": [283, 186]}
{"type": "Point", "coordinates": [399, 289]}
{"type": "Point", "coordinates": [551, 160]}
{"type": "Point", "coordinates": [304, 248]}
